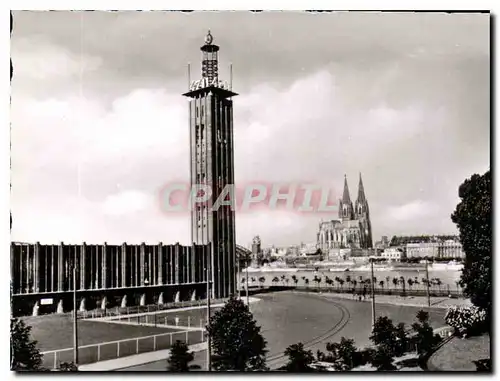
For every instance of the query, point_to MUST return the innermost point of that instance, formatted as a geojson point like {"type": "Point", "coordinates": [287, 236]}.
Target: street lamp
{"type": "Point", "coordinates": [75, 317]}
{"type": "Point", "coordinates": [372, 259]}
{"type": "Point", "coordinates": [427, 277]}
{"type": "Point", "coordinates": [209, 349]}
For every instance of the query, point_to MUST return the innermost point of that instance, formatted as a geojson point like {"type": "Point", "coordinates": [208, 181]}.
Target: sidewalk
{"type": "Point", "coordinates": [148, 357]}
{"type": "Point", "coordinates": [413, 301]}
{"type": "Point", "coordinates": [130, 361]}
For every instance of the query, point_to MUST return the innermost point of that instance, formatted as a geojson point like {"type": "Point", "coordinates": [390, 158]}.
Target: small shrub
{"type": "Point", "coordinates": [466, 320]}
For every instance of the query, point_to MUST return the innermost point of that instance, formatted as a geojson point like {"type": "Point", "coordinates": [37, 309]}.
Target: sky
{"type": "Point", "coordinates": [99, 125]}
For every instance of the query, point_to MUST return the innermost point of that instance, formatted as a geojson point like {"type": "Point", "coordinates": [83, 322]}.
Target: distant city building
{"type": "Point", "coordinates": [422, 249]}
{"type": "Point", "coordinates": [256, 250]}
{"type": "Point", "coordinates": [393, 254]}
{"type": "Point", "coordinates": [450, 249]}
{"type": "Point", "coordinates": [353, 229]}
{"type": "Point", "coordinates": [441, 249]}
{"type": "Point", "coordinates": [382, 244]}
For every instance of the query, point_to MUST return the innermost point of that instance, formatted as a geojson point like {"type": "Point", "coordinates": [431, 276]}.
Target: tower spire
{"type": "Point", "coordinates": [346, 199]}
{"type": "Point", "coordinates": [361, 190]}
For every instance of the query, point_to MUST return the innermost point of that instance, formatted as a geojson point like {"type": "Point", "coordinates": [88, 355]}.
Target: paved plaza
{"type": "Point", "coordinates": [287, 318]}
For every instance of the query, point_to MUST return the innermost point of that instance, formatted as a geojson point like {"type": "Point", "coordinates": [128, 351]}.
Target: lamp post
{"type": "Point", "coordinates": [248, 298]}
{"type": "Point", "coordinates": [373, 292]}
{"type": "Point", "coordinates": [75, 317]}
{"type": "Point", "coordinates": [209, 349]}
{"type": "Point", "coordinates": [427, 277]}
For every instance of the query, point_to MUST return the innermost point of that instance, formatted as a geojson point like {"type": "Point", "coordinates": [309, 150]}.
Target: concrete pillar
{"type": "Point", "coordinates": [60, 267]}
{"type": "Point", "coordinates": [104, 283]}
{"type": "Point", "coordinates": [35, 309]}
{"type": "Point", "coordinates": [143, 300]}
{"type": "Point", "coordinates": [160, 262]}
{"type": "Point", "coordinates": [36, 272]}
{"type": "Point", "coordinates": [124, 301]}
{"type": "Point", "coordinates": [124, 265]}
{"type": "Point", "coordinates": [160, 299]}
{"type": "Point", "coordinates": [60, 308]}
{"type": "Point", "coordinates": [177, 297]}
{"type": "Point", "coordinates": [83, 253]}
{"type": "Point", "coordinates": [82, 305]}
{"type": "Point", "coordinates": [141, 266]}
{"type": "Point", "coordinates": [104, 302]}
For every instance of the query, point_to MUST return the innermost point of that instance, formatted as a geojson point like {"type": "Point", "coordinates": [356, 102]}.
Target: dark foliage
{"type": "Point", "coordinates": [483, 365]}
{"type": "Point", "coordinates": [67, 367]}
{"type": "Point", "coordinates": [425, 339]}
{"type": "Point", "coordinates": [343, 356]}
{"type": "Point", "coordinates": [383, 358]}
{"type": "Point", "coordinates": [474, 221]}
{"type": "Point", "coordinates": [180, 357]}
{"type": "Point", "coordinates": [24, 355]}
{"type": "Point", "coordinates": [299, 359]}
{"type": "Point", "coordinates": [236, 341]}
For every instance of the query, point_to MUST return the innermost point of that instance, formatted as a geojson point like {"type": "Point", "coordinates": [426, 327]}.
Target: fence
{"type": "Point", "coordinates": [163, 319]}
{"type": "Point", "coordinates": [88, 354]}
{"type": "Point", "coordinates": [443, 292]}
{"type": "Point", "coordinates": [119, 311]}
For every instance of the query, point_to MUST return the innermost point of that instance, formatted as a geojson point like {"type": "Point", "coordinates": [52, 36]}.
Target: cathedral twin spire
{"type": "Point", "coordinates": [346, 209]}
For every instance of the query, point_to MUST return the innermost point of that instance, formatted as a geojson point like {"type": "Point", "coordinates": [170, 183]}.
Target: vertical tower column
{"type": "Point", "coordinates": [83, 269]}
{"type": "Point", "coordinates": [37, 267]}
{"type": "Point", "coordinates": [160, 262]}
{"type": "Point", "coordinates": [60, 267]}
{"type": "Point", "coordinates": [124, 265]}
{"type": "Point", "coordinates": [141, 266]}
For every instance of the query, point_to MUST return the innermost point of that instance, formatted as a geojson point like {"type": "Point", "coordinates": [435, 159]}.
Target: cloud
{"type": "Point", "coordinates": [404, 99]}
{"type": "Point", "coordinates": [126, 202]}
{"type": "Point", "coordinates": [37, 59]}
{"type": "Point", "coordinates": [416, 210]}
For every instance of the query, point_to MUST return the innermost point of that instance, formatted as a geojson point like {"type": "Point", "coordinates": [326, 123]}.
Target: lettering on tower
{"type": "Point", "coordinates": [205, 82]}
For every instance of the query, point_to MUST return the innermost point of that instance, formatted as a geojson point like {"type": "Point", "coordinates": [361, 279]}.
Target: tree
{"type": "Point", "coordinates": [67, 367]}
{"type": "Point", "coordinates": [425, 339]}
{"type": "Point", "coordinates": [395, 281]}
{"type": "Point", "coordinates": [236, 341]}
{"type": "Point", "coordinates": [24, 355]}
{"type": "Point", "coordinates": [342, 355]}
{"type": "Point", "coordinates": [262, 280]}
{"type": "Point", "coordinates": [383, 358]}
{"type": "Point", "coordinates": [299, 359]}
{"type": "Point", "coordinates": [473, 218]}
{"type": "Point", "coordinates": [381, 284]}
{"type": "Point", "coordinates": [386, 334]}
{"type": "Point", "coordinates": [180, 357]}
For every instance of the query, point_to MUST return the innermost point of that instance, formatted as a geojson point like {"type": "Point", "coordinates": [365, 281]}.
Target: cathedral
{"type": "Point", "coordinates": [353, 229]}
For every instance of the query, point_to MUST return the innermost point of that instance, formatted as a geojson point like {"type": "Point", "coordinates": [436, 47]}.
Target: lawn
{"type": "Point", "coordinates": [56, 332]}
{"type": "Point", "coordinates": [459, 354]}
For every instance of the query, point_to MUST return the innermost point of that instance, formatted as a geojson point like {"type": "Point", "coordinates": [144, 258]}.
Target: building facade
{"type": "Point", "coordinates": [393, 254]}
{"type": "Point", "coordinates": [352, 229]}
{"type": "Point", "coordinates": [42, 275]}
{"type": "Point", "coordinates": [212, 165]}
{"type": "Point", "coordinates": [440, 249]}
{"type": "Point", "coordinates": [117, 275]}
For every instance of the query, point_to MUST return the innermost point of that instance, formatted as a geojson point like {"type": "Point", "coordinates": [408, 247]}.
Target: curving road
{"type": "Point", "coordinates": [288, 318]}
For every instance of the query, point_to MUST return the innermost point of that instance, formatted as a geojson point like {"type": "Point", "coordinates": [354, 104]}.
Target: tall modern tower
{"type": "Point", "coordinates": [212, 164]}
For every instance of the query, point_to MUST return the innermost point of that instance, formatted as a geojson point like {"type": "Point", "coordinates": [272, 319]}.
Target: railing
{"type": "Point", "coordinates": [162, 320]}
{"type": "Point", "coordinates": [119, 311]}
{"type": "Point", "coordinates": [378, 290]}
{"type": "Point", "coordinates": [88, 354]}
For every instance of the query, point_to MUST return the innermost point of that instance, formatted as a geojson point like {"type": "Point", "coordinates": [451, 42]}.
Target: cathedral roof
{"type": "Point", "coordinates": [346, 199]}
{"type": "Point", "coordinates": [361, 190]}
